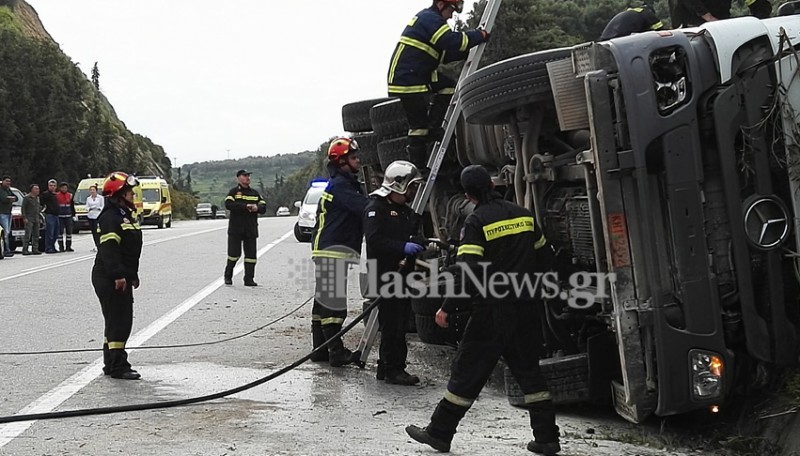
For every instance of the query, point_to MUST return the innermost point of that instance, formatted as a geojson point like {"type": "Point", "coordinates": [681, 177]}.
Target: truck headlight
{"type": "Point", "coordinates": [707, 373]}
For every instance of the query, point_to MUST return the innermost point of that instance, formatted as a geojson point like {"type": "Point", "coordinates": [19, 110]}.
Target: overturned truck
{"type": "Point", "coordinates": [668, 159]}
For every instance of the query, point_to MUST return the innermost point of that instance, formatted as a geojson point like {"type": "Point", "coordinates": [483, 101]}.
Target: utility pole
{"type": "Point", "coordinates": [229, 153]}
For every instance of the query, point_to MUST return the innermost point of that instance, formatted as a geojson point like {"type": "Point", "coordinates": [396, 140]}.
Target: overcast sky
{"type": "Point", "coordinates": [252, 77]}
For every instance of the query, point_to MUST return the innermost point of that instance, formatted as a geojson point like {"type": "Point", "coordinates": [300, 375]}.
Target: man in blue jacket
{"type": "Point", "coordinates": [426, 42]}
{"type": "Point", "coordinates": [336, 242]}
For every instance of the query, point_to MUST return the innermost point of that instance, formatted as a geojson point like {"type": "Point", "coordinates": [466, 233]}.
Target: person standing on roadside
{"type": "Point", "coordinates": [94, 205]}
{"type": "Point", "coordinates": [49, 202]}
{"type": "Point", "coordinates": [31, 211]}
{"type": "Point", "coordinates": [389, 225]}
{"type": "Point", "coordinates": [7, 198]}
{"type": "Point", "coordinates": [66, 211]}
{"type": "Point", "coordinates": [116, 271]}
{"type": "Point", "coordinates": [503, 238]}
{"type": "Point", "coordinates": [245, 205]}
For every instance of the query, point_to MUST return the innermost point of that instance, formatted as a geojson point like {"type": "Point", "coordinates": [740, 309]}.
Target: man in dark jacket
{"type": "Point", "coordinates": [389, 225]}
{"type": "Point", "coordinates": [426, 42]}
{"type": "Point", "coordinates": [336, 243]}
{"type": "Point", "coordinates": [632, 20]}
{"type": "Point", "coordinates": [7, 198]}
{"type": "Point", "coordinates": [116, 271]}
{"type": "Point", "coordinates": [31, 211]}
{"type": "Point", "coordinates": [504, 238]}
{"type": "Point", "coordinates": [50, 204]}
{"type": "Point", "coordinates": [245, 204]}
{"type": "Point", "coordinates": [691, 13]}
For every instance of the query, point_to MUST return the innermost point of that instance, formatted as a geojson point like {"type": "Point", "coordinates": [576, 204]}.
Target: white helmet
{"type": "Point", "coordinates": [398, 178]}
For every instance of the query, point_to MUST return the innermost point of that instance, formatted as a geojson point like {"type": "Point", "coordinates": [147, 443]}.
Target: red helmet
{"type": "Point", "coordinates": [341, 147]}
{"type": "Point", "coordinates": [116, 181]}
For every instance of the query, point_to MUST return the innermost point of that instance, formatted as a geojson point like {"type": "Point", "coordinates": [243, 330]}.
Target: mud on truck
{"type": "Point", "coordinates": [669, 159]}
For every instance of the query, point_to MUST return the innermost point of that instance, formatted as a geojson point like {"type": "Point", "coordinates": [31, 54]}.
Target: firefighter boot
{"type": "Point", "coordinates": [318, 338]}
{"type": "Point", "coordinates": [69, 246]}
{"type": "Point", "coordinates": [249, 272]}
{"type": "Point", "coordinates": [439, 433]}
{"type": "Point", "coordinates": [338, 355]}
{"type": "Point", "coordinates": [60, 246]}
{"type": "Point", "coordinates": [229, 272]}
{"type": "Point", "coordinates": [436, 113]}
{"type": "Point", "coordinates": [545, 432]}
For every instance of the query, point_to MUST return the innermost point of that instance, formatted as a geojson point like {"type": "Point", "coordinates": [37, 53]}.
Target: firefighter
{"type": "Point", "coordinates": [388, 225]}
{"type": "Point", "coordinates": [244, 204]}
{"type": "Point", "coordinates": [426, 42]}
{"type": "Point", "coordinates": [632, 20]}
{"type": "Point", "coordinates": [66, 211]}
{"type": "Point", "coordinates": [116, 271]}
{"type": "Point", "coordinates": [691, 13]}
{"type": "Point", "coordinates": [336, 243]}
{"type": "Point", "coordinates": [504, 238]}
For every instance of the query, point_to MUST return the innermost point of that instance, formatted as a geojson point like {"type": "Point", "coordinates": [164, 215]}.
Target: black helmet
{"type": "Point", "coordinates": [476, 181]}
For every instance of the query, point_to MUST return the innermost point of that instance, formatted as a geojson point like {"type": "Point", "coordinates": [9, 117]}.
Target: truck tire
{"type": "Point", "coordinates": [567, 379]}
{"type": "Point", "coordinates": [355, 116]}
{"type": "Point", "coordinates": [160, 224]}
{"type": "Point", "coordinates": [367, 148]}
{"type": "Point", "coordinates": [391, 150]}
{"type": "Point", "coordinates": [490, 94]}
{"type": "Point", "coordinates": [389, 119]}
{"type": "Point", "coordinates": [169, 222]}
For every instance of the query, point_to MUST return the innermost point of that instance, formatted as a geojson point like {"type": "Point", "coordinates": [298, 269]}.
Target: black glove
{"type": "Point", "coordinates": [485, 33]}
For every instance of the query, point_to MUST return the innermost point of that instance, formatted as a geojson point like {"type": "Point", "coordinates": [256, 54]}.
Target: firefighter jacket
{"type": "Point", "coordinates": [387, 228]}
{"type": "Point", "coordinates": [66, 208]}
{"type": "Point", "coordinates": [501, 238]}
{"type": "Point", "coordinates": [426, 42]}
{"type": "Point", "coordinates": [119, 243]}
{"type": "Point", "coordinates": [243, 222]}
{"type": "Point", "coordinates": [632, 20]}
{"type": "Point", "coordinates": [339, 217]}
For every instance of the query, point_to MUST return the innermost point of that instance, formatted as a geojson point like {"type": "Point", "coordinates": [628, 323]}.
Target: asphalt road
{"type": "Point", "coordinates": [47, 303]}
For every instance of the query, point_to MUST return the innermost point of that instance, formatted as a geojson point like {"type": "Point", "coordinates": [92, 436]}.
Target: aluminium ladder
{"type": "Point", "coordinates": [434, 162]}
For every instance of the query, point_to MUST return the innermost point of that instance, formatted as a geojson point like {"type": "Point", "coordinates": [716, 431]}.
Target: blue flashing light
{"type": "Point", "coordinates": [318, 183]}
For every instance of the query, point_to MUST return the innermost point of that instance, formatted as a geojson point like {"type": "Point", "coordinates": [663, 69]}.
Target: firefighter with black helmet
{"type": "Point", "coordinates": [389, 225]}
{"type": "Point", "coordinates": [336, 243]}
{"type": "Point", "coordinates": [636, 19]}
{"type": "Point", "coordinates": [426, 42]}
{"type": "Point", "coordinates": [503, 238]}
{"type": "Point", "coordinates": [116, 271]}
{"type": "Point", "coordinates": [244, 204]}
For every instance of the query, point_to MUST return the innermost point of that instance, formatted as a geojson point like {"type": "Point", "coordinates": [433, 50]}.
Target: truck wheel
{"type": "Point", "coordinates": [169, 222]}
{"type": "Point", "coordinates": [391, 150]}
{"type": "Point", "coordinates": [492, 93]}
{"type": "Point", "coordinates": [567, 379]}
{"type": "Point", "coordinates": [355, 116]}
{"type": "Point", "coordinates": [367, 148]}
{"type": "Point", "coordinates": [389, 119]}
{"type": "Point", "coordinates": [160, 224]}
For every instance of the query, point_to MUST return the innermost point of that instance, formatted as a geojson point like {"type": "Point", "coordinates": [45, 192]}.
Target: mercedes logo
{"type": "Point", "coordinates": [766, 221]}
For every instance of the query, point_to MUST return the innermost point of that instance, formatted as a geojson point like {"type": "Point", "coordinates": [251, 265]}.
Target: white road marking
{"type": "Point", "coordinates": [55, 397]}
{"type": "Point", "coordinates": [83, 258]}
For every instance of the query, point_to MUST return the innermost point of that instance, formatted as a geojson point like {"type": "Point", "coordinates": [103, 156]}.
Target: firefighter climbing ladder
{"type": "Point", "coordinates": [434, 162]}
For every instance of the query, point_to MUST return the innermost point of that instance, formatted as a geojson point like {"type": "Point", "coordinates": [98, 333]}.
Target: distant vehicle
{"type": "Point", "coordinates": [307, 217]}
{"type": "Point", "coordinates": [203, 210]}
{"type": "Point", "coordinates": [282, 211]}
{"type": "Point", "coordinates": [221, 214]}
{"type": "Point", "coordinates": [157, 201]}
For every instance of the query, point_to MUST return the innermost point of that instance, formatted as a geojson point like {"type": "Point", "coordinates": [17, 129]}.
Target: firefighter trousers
{"type": "Point", "coordinates": [117, 307]}
{"type": "Point", "coordinates": [511, 330]}
{"type": "Point", "coordinates": [425, 114]}
{"type": "Point", "coordinates": [330, 298]}
{"type": "Point", "coordinates": [393, 350]}
{"type": "Point", "coordinates": [235, 243]}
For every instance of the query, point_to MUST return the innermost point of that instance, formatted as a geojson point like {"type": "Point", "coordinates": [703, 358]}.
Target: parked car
{"type": "Point", "coordinates": [203, 210]}
{"type": "Point", "coordinates": [307, 216]}
{"type": "Point", "coordinates": [282, 211]}
{"type": "Point", "coordinates": [221, 213]}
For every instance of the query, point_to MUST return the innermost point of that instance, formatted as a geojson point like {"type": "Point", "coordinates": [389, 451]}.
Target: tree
{"type": "Point", "coordinates": [96, 77]}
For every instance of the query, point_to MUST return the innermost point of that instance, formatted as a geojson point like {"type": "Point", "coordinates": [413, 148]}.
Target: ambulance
{"type": "Point", "coordinates": [156, 200]}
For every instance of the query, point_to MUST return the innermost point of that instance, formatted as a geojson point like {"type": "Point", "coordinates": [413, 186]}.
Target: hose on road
{"type": "Point", "coordinates": [150, 347]}
{"type": "Point", "coordinates": [189, 401]}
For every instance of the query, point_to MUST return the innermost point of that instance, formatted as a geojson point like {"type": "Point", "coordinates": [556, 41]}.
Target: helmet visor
{"type": "Point", "coordinates": [457, 6]}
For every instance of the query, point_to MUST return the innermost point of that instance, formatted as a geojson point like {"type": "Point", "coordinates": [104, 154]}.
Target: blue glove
{"type": "Point", "coordinates": [411, 248]}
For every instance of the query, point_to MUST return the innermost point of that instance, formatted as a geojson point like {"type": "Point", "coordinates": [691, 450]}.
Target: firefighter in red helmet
{"type": "Point", "coordinates": [116, 271]}
{"type": "Point", "coordinates": [336, 243]}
